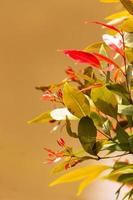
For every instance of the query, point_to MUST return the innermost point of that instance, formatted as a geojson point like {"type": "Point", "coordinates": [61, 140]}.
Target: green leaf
{"type": "Point", "coordinates": [89, 174]}
{"type": "Point", "coordinates": [112, 148]}
{"type": "Point", "coordinates": [75, 101]}
{"type": "Point", "coordinates": [125, 109]}
{"type": "Point", "coordinates": [128, 4]}
{"type": "Point", "coordinates": [42, 118]}
{"type": "Point", "coordinates": [118, 89]}
{"type": "Point", "coordinates": [97, 119]}
{"type": "Point", "coordinates": [124, 170]}
{"type": "Point", "coordinates": [87, 134]}
{"type": "Point", "coordinates": [69, 130]}
{"type": "Point", "coordinates": [97, 147]}
{"type": "Point", "coordinates": [126, 178]}
{"type": "Point", "coordinates": [107, 127]}
{"type": "Point", "coordinates": [105, 101]}
{"type": "Point", "coordinates": [122, 137]}
{"type": "Point", "coordinates": [119, 164]}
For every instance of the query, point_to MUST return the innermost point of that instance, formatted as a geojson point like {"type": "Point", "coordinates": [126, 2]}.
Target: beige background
{"type": "Point", "coordinates": [30, 33]}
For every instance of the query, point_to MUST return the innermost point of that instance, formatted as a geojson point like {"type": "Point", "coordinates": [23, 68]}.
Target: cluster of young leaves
{"type": "Point", "coordinates": [99, 98]}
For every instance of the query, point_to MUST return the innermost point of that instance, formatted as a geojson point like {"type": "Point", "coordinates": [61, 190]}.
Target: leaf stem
{"type": "Point", "coordinates": [102, 158]}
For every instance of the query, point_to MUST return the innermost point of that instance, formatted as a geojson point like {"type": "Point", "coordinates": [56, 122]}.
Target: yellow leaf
{"type": "Point", "coordinates": [94, 47]}
{"type": "Point", "coordinates": [118, 15]}
{"type": "Point", "coordinates": [129, 55]}
{"type": "Point", "coordinates": [127, 25]}
{"type": "Point", "coordinates": [91, 178]}
{"type": "Point", "coordinates": [75, 101]}
{"type": "Point", "coordinates": [79, 174]}
{"type": "Point", "coordinates": [42, 118]}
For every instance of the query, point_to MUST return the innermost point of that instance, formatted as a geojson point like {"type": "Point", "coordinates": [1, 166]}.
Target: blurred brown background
{"type": "Point", "coordinates": [30, 33]}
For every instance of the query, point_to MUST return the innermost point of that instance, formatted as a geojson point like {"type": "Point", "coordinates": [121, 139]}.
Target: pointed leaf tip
{"type": "Point", "coordinates": [83, 57]}
{"type": "Point", "coordinates": [88, 174]}
{"type": "Point", "coordinates": [108, 26]}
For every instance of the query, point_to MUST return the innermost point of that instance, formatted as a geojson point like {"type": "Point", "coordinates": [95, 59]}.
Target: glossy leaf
{"type": "Point", "coordinates": [87, 134]}
{"type": "Point", "coordinates": [83, 57]}
{"type": "Point", "coordinates": [105, 101]}
{"type": "Point", "coordinates": [61, 113]}
{"type": "Point", "coordinates": [75, 101]}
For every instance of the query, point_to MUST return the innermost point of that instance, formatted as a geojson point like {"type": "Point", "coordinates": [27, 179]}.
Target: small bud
{"type": "Point", "coordinates": [61, 142]}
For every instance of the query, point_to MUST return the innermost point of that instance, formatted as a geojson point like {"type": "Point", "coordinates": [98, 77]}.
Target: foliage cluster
{"type": "Point", "coordinates": [99, 98]}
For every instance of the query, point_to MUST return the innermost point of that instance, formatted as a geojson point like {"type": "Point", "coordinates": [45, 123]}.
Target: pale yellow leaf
{"type": "Point", "coordinates": [78, 174]}
{"type": "Point", "coordinates": [91, 178]}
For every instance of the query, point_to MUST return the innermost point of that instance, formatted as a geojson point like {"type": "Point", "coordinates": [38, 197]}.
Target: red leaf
{"type": "Point", "coordinates": [108, 26]}
{"type": "Point", "coordinates": [83, 57]}
{"type": "Point", "coordinates": [104, 58]}
{"type": "Point", "coordinates": [108, 60]}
